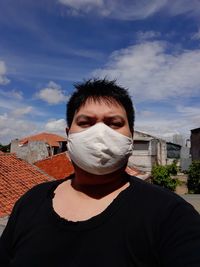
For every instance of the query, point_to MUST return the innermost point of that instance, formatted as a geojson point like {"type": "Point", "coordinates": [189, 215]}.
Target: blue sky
{"type": "Point", "coordinates": [150, 47]}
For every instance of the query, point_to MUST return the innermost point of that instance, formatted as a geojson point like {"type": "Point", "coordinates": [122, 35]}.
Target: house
{"type": "Point", "coordinates": [39, 146]}
{"type": "Point", "coordinates": [148, 150]}
{"type": "Point", "coordinates": [180, 153]}
{"type": "Point", "coordinates": [173, 153]}
{"type": "Point", "coordinates": [195, 144]}
{"type": "Point", "coordinates": [186, 159]}
{"type": "Point", "coordinates": [58, 166]}
{"type": "Point", "coordinates": [16, 177]}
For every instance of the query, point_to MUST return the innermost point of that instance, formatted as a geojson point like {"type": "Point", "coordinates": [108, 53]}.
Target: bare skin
{"type": "Point", "coordinates": [87, 195]}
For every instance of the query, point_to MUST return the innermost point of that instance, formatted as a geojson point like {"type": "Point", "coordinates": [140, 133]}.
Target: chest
{"type": "Point", "coordinates": [120, 236]}
{"type": "Point", "coordinates": [112, 242]}
{"type": "Point", "coordinates": [73, 208]}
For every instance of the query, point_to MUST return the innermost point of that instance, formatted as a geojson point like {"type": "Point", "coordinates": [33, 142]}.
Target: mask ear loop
{"type": "Point", "coordinates": [67, 134]}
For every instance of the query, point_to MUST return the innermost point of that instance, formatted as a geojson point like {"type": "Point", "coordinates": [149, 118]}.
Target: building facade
{"type": "Point", "coordinates": [195, 144]}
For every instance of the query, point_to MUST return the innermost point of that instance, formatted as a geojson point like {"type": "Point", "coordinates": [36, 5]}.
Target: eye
{"type": "Point", "coordinates": [115, 125]}
{"type": "Point", "coordinates": [84, 124]}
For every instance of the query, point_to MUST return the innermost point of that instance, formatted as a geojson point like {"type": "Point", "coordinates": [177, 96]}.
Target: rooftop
{"type": "Point", "coordinates": [16, 177]}
{"type": "Point", "coordinates": [136, 172]}
{"type": "Point", "coordinates": [58, 166]}
{"type": "Point", "coordinates": [49, 138]}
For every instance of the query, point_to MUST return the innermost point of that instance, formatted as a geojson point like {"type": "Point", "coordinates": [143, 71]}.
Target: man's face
{"type": "Point", "coordinates": [112, 114]}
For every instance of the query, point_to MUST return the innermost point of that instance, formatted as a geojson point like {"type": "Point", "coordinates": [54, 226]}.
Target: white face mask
{"type": "Point", "coordinates": [99, 149]}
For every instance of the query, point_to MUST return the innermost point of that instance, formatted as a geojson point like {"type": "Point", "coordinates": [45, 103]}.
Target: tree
{"type": "Point", "coordinates": [5, 148]}
{"type": "Point", "coordinates": [161, 175]}
{"type": "Point", "coordinates": [194, 177]}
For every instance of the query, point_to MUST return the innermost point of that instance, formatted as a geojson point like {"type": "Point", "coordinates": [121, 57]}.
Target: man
{"type": "Point", "coordinates": [101, 216]}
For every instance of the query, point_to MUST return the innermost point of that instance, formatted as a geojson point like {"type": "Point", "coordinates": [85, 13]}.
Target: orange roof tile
{"type": "Point", "coordinates": [49, 138]}
{"type": "Point", "coordinates": [58, 166]}
{"type": "Point", "coordinates": [136, 172]}
{"type": "Point", "coordinates": [16, 177]}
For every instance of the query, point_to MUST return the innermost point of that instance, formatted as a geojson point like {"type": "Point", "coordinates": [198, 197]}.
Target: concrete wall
{"type": "Point", "coordinates": [3, 222]}
{"type": "Point", "coordinates": [140, 160]}
{"type": "Point", "coordinates": [186, 159]}
{"type": "Point", "coordinates": [32, 151]}
{"type": "Point", "coordinates": [156, 153]}
{"type": "Point", "coordinates": [14, 145]}
{"type": "Point", "coordinates": [161, 152]}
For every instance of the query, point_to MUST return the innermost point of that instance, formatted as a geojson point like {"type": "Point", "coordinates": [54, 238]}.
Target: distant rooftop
{"type": "Point", "coordinates": [197, 130]}
{"type": "Point", "coordinates": [49, 138]}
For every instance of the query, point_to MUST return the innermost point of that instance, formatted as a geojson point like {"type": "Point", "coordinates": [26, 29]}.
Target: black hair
{"type": "Point", "coordinates": [98, 90]}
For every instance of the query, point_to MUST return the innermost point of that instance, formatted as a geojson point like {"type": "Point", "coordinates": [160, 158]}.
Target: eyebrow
{"type": "Point", "coordinates": [87, 117]}
{"type": "Point", "coordinates": [83, 117]}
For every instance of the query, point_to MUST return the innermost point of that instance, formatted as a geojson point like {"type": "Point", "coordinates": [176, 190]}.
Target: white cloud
{"type": "Point", "coordinates": [13, 104]}
{"type": "Point", "coordinates": [16, 94]}
{"type": "Point", "coordinates": [178, 7]}
{"type": "Point", "coordinates": [142, 36]}
{"type": "Point", "coordinates": [164, 127]}
{"type": "Point", "coordinates": [54, 85]}
{"type": "Point", "coordinates": [3, 79]}
{"type": "Point", "coordinates": [190, 114]}
{"type": "Point", "coordinates": [132, 10]}
{"type": "Point", "coordinates": [56, 125]}
{"type": "Point", "coordinates": [146, 113]}
{"type": "Point", "coordinates": [10, 128]}
{"type": "Point", "coordinates": [52, 94]}
{"type": "Point", "coordinates": [166, 122]}
{"type": "Point", "coordinates": [115, 8]}
{"type": "Point", "coordinates": [18, 112]}
{"type": "Point", "coordinates": [152, 73]}
{"type": "Point", "coordinates": [196, 35]}
{"type": "Point", "coordinates": [79, 4]}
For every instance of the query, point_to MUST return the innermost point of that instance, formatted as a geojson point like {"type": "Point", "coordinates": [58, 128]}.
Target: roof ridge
{"type": "Point", "coordinates": [53, 156]}
{"type": "Point", "coordinates": [41, 133]}
{"type": "Point", "coordinates": [43, 172]}
{"type": "Point", "coordinates": [8, 154]}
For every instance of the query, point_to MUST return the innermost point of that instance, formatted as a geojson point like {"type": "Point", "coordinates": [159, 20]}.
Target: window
{"type": "Point", "coordinates": [141, 145]}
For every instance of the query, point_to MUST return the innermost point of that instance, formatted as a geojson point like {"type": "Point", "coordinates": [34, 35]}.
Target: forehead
{"type": "Point", "coordinates": [101, 107]}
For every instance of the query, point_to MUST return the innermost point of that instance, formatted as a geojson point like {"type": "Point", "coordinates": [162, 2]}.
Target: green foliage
{"type": "Point", "coordinates": [172, 168]}
{"type": "Point", "coordinates": [194, 177]}
{"type": "Point", "coordinates": [161, 176]}
{"type": "Point", "coordinates": [5, 148]}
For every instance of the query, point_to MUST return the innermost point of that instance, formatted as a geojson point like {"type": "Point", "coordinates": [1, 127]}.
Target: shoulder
{"type": "Point", "coordinates": [152, 191]}
{"type": "Point", "coordinates": [156, 199]}
{"type": "Point", "coordinates": [36, 195]}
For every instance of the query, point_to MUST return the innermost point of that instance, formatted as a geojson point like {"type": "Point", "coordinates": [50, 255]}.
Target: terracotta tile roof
{"type": "Point", "coordinates": [49, 138]}
{"type": "Point", "coordinates": [136, 172]}
{"type": "Point", "coordinates": [58, 166]}
{"type": "Point", "coordinates": [16, 177]}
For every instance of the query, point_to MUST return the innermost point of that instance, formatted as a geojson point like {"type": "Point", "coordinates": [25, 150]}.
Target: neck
{"type": "Point", "coordinates": [98, 186]}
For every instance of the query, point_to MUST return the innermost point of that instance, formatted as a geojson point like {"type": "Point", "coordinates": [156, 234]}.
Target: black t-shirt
{"type": "Point", "coordinates": [145, 226]}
